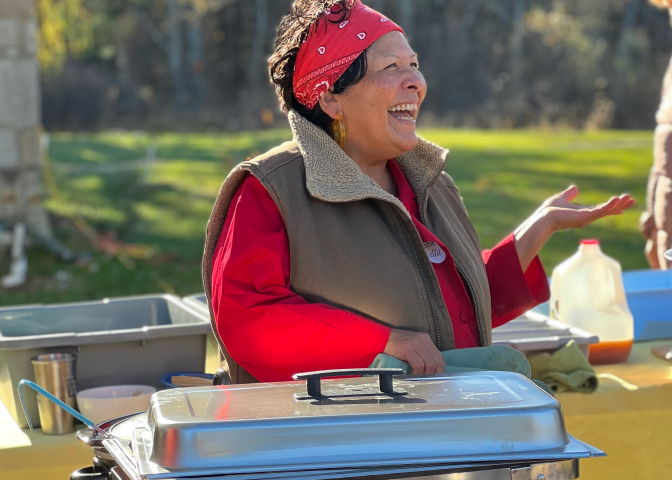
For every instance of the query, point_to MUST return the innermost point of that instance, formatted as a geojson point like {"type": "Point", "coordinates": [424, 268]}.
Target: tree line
{"type": "Point", "coordinates": [201, 64]}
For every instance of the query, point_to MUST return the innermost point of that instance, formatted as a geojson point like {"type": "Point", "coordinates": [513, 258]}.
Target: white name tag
{"type": "Point", "coordinates": [434, 252]}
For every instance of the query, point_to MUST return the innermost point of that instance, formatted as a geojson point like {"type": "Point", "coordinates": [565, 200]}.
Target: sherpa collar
{"type": "Point", "coordinates": [334, 177]}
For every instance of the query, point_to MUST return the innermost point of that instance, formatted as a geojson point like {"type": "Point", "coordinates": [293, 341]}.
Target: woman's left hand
{"type": "Point", "coordinates": [562, 214]}
{"type": "Point", "coordinates": [559, 213]}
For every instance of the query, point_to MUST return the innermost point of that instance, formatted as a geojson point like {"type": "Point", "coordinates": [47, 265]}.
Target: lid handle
{"type": "Point", "coordinates": [314, 384]}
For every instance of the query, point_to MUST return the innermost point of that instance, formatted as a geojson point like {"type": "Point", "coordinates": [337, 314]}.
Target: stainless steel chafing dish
{"type": "Point", "coordinates": [476, 426]}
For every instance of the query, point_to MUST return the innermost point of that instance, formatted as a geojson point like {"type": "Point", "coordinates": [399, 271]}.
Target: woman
{"type": "Point", "coordinates": [351, 241]}
{"type": "Point", "coordinates": [656, 221]}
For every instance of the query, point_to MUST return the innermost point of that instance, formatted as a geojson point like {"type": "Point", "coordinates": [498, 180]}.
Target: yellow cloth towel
{"type": "Point", "coordinates": [565, 370]}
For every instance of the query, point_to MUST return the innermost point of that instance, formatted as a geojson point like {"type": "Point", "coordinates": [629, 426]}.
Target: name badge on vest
{"type": "Point", "coordinates": [434, 252]}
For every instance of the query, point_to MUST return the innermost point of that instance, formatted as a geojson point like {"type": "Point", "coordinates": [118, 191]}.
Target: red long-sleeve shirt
{"type": "Point", "coordinates": [274, 333]}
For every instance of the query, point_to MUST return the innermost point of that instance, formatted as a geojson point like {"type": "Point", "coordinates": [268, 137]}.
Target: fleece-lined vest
{"type": "Point", "coordinates": [354, 246]}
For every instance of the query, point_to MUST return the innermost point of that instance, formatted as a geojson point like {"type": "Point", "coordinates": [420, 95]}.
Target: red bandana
{"type": "Point", "coordinates": [329, 51]}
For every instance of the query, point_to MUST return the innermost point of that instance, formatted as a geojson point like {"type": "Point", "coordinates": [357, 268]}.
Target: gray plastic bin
{"type": "Point", "coordinates": [199, 302]}
{"type": "Point", "coordinates": [131, 340]}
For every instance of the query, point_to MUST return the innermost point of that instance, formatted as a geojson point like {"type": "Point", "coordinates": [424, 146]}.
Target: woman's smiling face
{"type": "Point", "coordinates": [379, 112]}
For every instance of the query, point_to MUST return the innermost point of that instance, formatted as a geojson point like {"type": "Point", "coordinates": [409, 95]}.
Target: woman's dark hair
{"type": "Point", "coordinates": [294, 28]}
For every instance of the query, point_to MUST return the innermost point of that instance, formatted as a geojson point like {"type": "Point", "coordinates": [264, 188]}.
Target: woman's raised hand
{"type": "Point", "coordinates": [563, 214]}
{"type": "Point", "coordinates": [559, 213]}
{"type": "Point", "coordinates": [417, 349]}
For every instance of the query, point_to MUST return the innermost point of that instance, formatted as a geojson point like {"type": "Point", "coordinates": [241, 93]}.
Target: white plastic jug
{"type": "Point", "coordinates": [587, 292]}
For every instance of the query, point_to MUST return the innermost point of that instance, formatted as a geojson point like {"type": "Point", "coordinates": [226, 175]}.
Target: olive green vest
{"type": "Point", "coordinates": [353, 245]}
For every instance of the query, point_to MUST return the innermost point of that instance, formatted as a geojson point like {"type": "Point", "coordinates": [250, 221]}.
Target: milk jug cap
{"type": "Point", "coordinates": [590, 241]}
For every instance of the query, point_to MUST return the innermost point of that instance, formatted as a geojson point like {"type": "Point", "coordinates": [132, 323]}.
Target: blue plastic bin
{"type": "Point", "coordinates": [649, 295]}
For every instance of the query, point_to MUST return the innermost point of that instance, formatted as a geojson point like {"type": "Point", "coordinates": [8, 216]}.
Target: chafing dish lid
{"type": "Point", "coordinates": [434, 417]}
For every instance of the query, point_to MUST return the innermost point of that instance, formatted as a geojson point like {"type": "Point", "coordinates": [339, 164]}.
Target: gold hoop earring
{"type": "Point", "coordinates": [339, 131]}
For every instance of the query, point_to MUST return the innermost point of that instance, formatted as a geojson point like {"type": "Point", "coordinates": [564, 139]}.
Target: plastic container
{"type": "Point", "coordinates": [649, 295]}
{"type": "Point", "coordinates": [104, 403]}
{"type": "Point", "coordinates": [199, 302]}
{"type": "Point", "coordinates": [587, 292]}
{"type": "Point", "coordinates": [131, 340]}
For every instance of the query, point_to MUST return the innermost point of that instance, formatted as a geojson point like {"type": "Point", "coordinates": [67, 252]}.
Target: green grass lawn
{"type": "Point", "coordinates": [502, 175]}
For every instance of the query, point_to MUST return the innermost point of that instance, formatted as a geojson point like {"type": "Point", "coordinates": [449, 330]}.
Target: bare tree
{"type": "Point", "coordinates": [195, 59]}
{"type": "Point", "coordinates": [517, 47]}
{"type": "Point", "coordinates": [407, 17]}
{"type": "Point", "coordinates": [623, 58]}
{"type": "Point", "coordinates": [175, 52]}
{"type": "Point", "coordinates": [258, 42]}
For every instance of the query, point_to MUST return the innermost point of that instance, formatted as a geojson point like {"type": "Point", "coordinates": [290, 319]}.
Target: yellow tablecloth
{"type": "Point", "coordinates": [26, 455]}
{"type": "Point", "coordinates": [629, 417]}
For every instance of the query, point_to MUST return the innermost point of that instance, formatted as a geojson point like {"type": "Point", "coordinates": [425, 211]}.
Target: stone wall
{"type": "Point", "coordinates": [20, 174]}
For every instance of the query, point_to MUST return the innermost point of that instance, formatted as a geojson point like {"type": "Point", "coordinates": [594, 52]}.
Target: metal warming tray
{"type": "Point", "coordinates": [534, 333]}
{"type": "Point", "coordinates": [346, 427]}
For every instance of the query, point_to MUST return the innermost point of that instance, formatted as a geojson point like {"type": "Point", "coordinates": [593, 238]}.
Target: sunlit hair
{"type": "Point", "coordinates": [292, 32]}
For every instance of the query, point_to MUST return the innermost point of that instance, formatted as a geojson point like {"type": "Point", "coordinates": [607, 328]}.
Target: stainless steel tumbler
{"type": "Point", "coordinates": [56, 374]}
